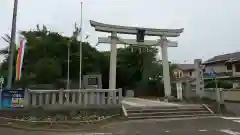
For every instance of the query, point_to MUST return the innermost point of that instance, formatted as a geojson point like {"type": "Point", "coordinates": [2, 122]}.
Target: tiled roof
{"type": "Point", "coordinates": [224, 57]}
{"type": "Point", "coordinates": [185, 66]}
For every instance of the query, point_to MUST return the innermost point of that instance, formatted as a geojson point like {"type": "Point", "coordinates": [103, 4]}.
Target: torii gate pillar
{"type": "Point", "coordinates": [113, 61]}
{"type": "Point", "coordinates": [166, 72]}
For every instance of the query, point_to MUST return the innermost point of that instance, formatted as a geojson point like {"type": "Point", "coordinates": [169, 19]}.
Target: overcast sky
{"type": "Point", "coordinates": [211, 27]}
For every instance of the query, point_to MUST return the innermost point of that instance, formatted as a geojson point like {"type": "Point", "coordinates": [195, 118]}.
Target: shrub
{"type": "Point", "coordinates": [220, 83]}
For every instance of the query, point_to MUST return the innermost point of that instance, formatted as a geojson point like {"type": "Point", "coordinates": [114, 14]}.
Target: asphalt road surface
{"type": "Point", "coordinates": [204, 126]}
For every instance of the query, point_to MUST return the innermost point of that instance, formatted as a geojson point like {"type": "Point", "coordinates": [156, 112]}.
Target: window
{"type": "Point", "coordinates": [229, 66]}
{"type": "Point", "coordinates": [237, 67]}
{"type": "Point", "coordinates": [178, 74]}
{"type": "Point", "coordinates": [204, 70]}
{"type": "Point", "coordinates": [190, 73]}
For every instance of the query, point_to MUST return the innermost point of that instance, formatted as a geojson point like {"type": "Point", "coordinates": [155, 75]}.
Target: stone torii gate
{"type": "Point", "coordinates": [140, 32]}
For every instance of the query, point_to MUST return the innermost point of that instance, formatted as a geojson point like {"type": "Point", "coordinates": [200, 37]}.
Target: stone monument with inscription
{"type": "Point", "coordinates": [92, 81]}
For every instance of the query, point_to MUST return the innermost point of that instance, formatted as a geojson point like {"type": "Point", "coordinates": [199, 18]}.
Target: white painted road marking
{"type": "Point", "coordinates": [237, 121]}
{"type": "Point", "coordinates": [231, 118]}
{"type": "Point", "coordinates": [94, 134]}
{"type": "Point", "coordinates": [202, 130]}
{"type": "Point", "coordinates": [234, 119]}
{"type": "Point", "coordinates": [228, 131]}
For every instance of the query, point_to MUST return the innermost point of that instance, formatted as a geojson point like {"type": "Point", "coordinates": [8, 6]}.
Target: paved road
{"type": "Point", "coordinates": [233, 107]}
{"type": "Point", "coordinates": [206, 126]}
{"type": "Point", "coordinates": [8, 131]}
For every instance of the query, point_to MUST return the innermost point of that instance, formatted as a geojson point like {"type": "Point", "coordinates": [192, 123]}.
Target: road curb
{"type": "Point", "coordinates": [109, 124]}
{"type": "Point", "coordinates": [50, 130]}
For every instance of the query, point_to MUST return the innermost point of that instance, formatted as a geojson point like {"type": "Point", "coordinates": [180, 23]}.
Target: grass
{"type": "Point", "coordinates": [39, 118]}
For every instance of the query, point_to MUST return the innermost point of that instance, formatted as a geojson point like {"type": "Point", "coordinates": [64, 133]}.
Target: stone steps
{"type": "Point", "coordinates": [161, 109]}
{"type": "Point", "coordinates": [169, 116]}
{"type": "Point", "coordinates": [167, 112]}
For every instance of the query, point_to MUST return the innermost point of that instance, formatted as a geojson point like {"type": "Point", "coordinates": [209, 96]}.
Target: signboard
{"type": "Point", "coordinates": [212, 74]}
{"type": "Point", "coordinates": [12, 98]}
{"type": "Point", "coordinates": [92, 81]}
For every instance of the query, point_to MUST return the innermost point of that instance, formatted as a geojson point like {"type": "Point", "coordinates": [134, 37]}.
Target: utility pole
{"type": "Point", "coordinates": [80, 50]}
{"type": "Point", "coordinates": [12, 46]}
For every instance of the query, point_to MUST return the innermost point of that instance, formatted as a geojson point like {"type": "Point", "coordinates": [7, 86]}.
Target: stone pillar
{"type": "Point", "coordinates": [86, 98]}
{"type": "Point", "coordinates": [188, 90]}
{"type": "Point", "coordinates": [179, 90]}
{"type": "Point", "coordinates": [40, 99]}
{"type": "Point", "coordinates": [34, 99]}
{"type": "Point", "coordinates": [233, 69]}
{"type": "Point", "coordinates": [98, 98]}
{"type": "Point", "coordinates": [26, 97]}
{"type": "Point", "coordinates": [199, 77]}
{"type": "Point", "coordinates": [61, 94]}
{"type": "Point", "coordinates": [54, 98]}
{"type": "Point", "coordinates": [47, 98]}
{"type": "Point", "coordinates": [74, 97]}
{"type": "Point", "coordinates": [113, 62]}
{"type": "Point", "coordinates": [120, 97]}
{"type": "Point", "coordinates": [165, 62]}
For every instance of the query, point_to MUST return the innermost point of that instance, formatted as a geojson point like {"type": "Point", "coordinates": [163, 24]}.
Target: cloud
{"type": "Point", "coordinates": [211, 27]}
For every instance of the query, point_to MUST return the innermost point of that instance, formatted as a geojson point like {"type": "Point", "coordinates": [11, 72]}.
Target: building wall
{"type": "Point", "coordinates": [185, 73]}
{"type": "Point", "coordinates": [221, 67]}
{"type": "Point", "coordinates": [218, 67]}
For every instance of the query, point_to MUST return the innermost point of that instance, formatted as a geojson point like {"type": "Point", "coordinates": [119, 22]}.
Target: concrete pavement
{"type": "Point", "coordinates": [138, 102]}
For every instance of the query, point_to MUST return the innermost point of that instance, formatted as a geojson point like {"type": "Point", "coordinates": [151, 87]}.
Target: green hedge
{"type": "Point", "coordinates": [220, 83]}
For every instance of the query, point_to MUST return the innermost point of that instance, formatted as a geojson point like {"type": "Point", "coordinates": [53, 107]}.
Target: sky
{"type": "Point", "coordinates": [211, 27]}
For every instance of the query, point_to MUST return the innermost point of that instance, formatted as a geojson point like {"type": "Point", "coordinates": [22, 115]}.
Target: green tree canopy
{"type": "Point", "coordinates": [45, 61]}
